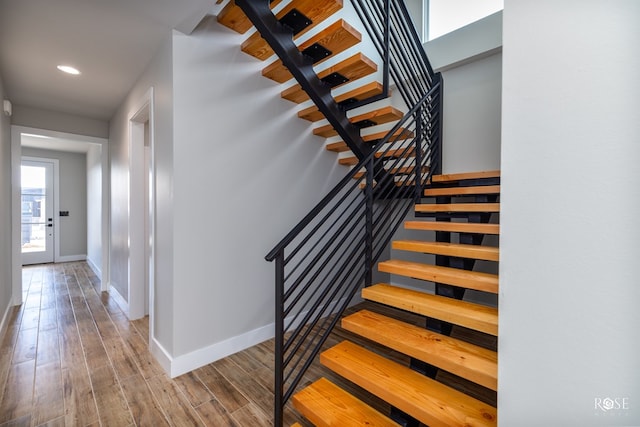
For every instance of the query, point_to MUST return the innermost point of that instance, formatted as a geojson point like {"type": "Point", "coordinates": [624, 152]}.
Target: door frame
{"type": "Point", "coordinates": [142, 211]}
{"type": "Point", "coordinates": [16, 157]}
{"type": "Point", "coordinates": [56, 201]}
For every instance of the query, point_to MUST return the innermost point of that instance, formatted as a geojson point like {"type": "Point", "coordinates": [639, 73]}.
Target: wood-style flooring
{"type": "Point", "coordinates": [70, 357]}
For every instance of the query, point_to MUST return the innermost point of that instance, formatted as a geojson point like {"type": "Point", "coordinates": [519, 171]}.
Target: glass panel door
{"type": "Point", "coordinates": [37, 212]}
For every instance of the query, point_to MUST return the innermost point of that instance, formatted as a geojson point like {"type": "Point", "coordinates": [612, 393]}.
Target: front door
{"type": "Point", "coordinates": [37, 212]}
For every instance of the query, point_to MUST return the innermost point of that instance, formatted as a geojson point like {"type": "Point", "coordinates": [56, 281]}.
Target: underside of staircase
{"type": "Point", "coordinates": [455, 213]}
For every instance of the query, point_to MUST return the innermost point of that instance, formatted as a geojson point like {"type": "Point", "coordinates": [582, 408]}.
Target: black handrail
{"type": "Point", "coordinates": [330, 254]}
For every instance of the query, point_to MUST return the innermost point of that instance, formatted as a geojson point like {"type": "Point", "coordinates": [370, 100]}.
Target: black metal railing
{"type": "Point", "coordinates": [331, 253]}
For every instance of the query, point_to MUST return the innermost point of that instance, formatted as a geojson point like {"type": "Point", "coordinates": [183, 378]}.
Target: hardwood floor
{"type": "Point", "coordinates": [70, 357]}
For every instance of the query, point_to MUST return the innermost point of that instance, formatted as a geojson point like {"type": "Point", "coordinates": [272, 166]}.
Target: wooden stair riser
{"type": "Point", "coordinates": [336, 38]}
{"type": "Point", "coordinates": [316, 10]}
{"type": "Point", "coordinates": [466, 360]}
{"type": "Point", "coordinates": [486, 253]}
{"type": "Point", "coordinates": [451, 276]}
{"type": "Point", "coordinates": [473, 316]}
{"type": "Point", "coordinates": [426, 400]}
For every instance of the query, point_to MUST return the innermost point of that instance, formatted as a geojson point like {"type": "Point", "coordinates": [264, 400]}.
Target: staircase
{"type": "Point", "coordinates": [393, 150]}
{"type": "Point", "coordinates": [417, 397]}
{"type": "Point", "coordinates": [335, 36]}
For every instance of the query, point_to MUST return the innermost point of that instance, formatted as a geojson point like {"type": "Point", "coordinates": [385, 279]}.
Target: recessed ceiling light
{"type": "Point", "coordinates": [68, 69]}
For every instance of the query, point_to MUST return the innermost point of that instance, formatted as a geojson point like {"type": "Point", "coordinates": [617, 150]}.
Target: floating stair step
{"type": "Point", "coordinates": [458, 207]}
{"type": "Point", "coordinates": [315, 10]}
{"type": "Point", "coordinates": [434, 273]}
{"type": "Point", "coordinates": [466, 360]}
{"type": "Point", "coordinates": [334, 39]}
{"type": "Point", "coordinates": [455, 177]}
{"type": "Point", "coordinates": [473, 316]}
{"type": "Point", "coordinates": [327, 405]}
{"type": "Point", "coordinates": [231, 16]}
{"type": "Point", "coordinates": [369, 90]}
{"type": "Point", "coordinates": [453, 227]}
{"type": "Point", "coordinates": [405, 170]}
{"type": "Point", "coordinates": [343, 72]}
{"type": "Point", "coordinates": [462, 191]}
{"type": "Point", "coordinates": [426, 400]}
{"type": "Point", "coordinates": [341, 146]}
{"type": "Point", "coordinates": [391, 154]}
{"type": "Point", "coordinates": [371, 118]}
{"type": "Point", "coordinates": [487, 253]}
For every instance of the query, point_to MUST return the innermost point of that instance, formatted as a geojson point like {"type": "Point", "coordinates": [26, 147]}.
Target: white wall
{"type": "Point", "coordinates": [72, 232]}
{"type": "Point", "coordinates": [569, 246]}
{"type": "Point", "coordinates": [470, 60]}
{"type": "Point", "coordinates": [246, 170]}
{"type": "Point", "coordinates": [94, 207]}
{"type": "Point", "coordinates": [159, 76]}
{"type": "Point", "coordinates": [5, 214]}
{"type": "Point", "coordinates": [57, 121]}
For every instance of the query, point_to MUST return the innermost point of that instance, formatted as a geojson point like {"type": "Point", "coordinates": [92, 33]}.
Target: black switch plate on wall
{"type": "Point", "coordinates": [64, 213]}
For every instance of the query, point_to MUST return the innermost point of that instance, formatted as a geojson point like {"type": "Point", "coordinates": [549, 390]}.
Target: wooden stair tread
{"type": "Point", "coordinates": [352, 68]}
{"type": "Point", "coordinates": [454, 177]}
{"type": "Point", "coordinates": [336, 38]}
{"type": "Point", "coordinates": [369, 90]}
{"type": "Point", "coordinates": [454, 227]}
{"type": "Point", "coordinates": [391, 154]}
{"type": "Point", "coordinates": [461, 358]}
{"type": "Point", "coordinates": [401, 133]}
{"type": "Point", "coordinates": [458, 207]}
{"type": "Point", "coordinates": [327, 405]}
{"type": "Point", "coordinates": [462, 191]}
{"type": "Point", "coordinates": [316, 10]}
{"type": "Point", "coordinates": [479, 281]}
{"type": "Point", "coordinates": [377, 117]}
{"type": "Point", "coordinates": [405, 170]}
{"type": "Point", "coordinates": [231, 16]}
{"type": "Point", "coordinates": [487, 253]}
{"type": "Point", "coordinates": [419, 396]}
{"type": "Point", "coordinates": [470, 315]}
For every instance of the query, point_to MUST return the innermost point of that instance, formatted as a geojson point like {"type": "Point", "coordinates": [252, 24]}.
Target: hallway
{"type": "Point", "coordinates": [70, 357]}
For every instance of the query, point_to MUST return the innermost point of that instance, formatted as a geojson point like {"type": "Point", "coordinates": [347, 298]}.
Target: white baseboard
{"type": "Point", "coordinates": [161, 355]}
{"type": "Point", "coordinates": [94, 267]}
{"type": "Point", "coordinates": [71, 258]}
{"type": "Point", "coordinates": [188, 362]}
{"type": "Point", "coordinates": [3, 323]}
{"type": "Point", "coordinates": [122, 303]}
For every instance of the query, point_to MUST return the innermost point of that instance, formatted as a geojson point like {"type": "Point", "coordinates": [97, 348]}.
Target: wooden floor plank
{"type": "Point", "coordinates": [48, 403]}
{"type": "Point", "coordinates": [17, 398]}
{"type": "Point", "coordinates": [185, 401]}
{"type": "Point", "coordinates": [143, 405]}
{"type": "Point", "coordinates": [113, 408]}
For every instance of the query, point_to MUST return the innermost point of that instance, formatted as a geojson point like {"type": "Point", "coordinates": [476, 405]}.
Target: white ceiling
{"type": "Point", "coordinates": [109, 41]}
